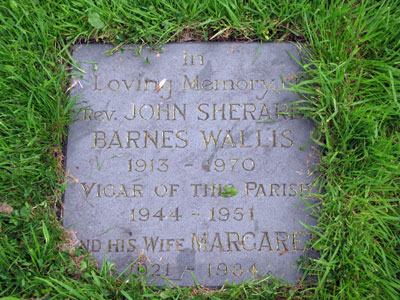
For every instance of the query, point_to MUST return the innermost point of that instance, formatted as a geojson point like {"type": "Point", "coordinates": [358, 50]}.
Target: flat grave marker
{"type": "Point", "coordinates": [190, 159]}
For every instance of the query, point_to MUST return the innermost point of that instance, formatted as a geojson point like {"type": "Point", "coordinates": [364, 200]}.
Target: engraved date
{"type": "Point", "coordinates": [232, 164]}
{"type": "Point", "coordinates": [144, 214]}
{"type": "Point", "coordinates": [237, 270]}
{"type": "Point", "coordinates": [151, 165]}
{"type": "Point", "coordinates": [225, 214]}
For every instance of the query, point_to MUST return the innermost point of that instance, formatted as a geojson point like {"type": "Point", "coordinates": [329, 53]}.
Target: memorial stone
{"type": "Point", "coordinates": [189, 161]}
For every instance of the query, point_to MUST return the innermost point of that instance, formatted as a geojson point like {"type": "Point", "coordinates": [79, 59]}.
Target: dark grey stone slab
{"type": "Point", "coordinates": [149, 164]}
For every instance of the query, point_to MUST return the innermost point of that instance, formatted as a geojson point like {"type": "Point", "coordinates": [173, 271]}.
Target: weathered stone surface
{"type": "Point", "coordinates": [148, 174]}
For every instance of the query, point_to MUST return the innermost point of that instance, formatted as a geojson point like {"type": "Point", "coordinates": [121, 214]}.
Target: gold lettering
{"type": "Point", "coordinates": [244, 237]}
{"type": "Point", "coordinates": [169, 89]}
{"type": "Point", "coordinates": [273, 138]}
{"type": "Point", "coordinates": [196, 186]}
{"type": "Point", "coordinates": [238, 85]}
{"type": "Point", "coordinates": [207, 85]}
{"type": "Point", "coordinates": [118, 247]}
{"type": "Point", "coordinates": [118, 141]}
{"type": "Point", "coordinates": [247, 187]}
{"type": "Point", "coordinates": [184, 57]}
{"type": "Point", "coordinates": [224, 82]}
{"type": "Point", "coordinates": [151, 244]}
{"type": "Point", "coordinates": [146, 84]}
{"type": "Point", "coordinates": [133, 113]}
{"type": "Point", "coordinates": [169, 244]}
{"type": "Point", "coordinates": [178, 136]}
{"type": "Point", "coordinates": [164, 192]}
{"type": "Point", "coordinates": [173, 189]}
{"type": "Point", "coordinates": [94, 249]}
{"type": "Point", "coordinates": [109, 116]}
{"type": "Point", "coordinates": [129, 138]}
{"type": "Point", "coordinates": [199, 56]}
{"type": "Point", "coordinates": [280, 240]}
{"type": "Point", "coordinates": [228, 136]}
{"type": "Point", "coordinates": [105, 190]}
{"type": "Point", "coordinates": [305, 188]}
{"type": "Point", "coordinates": [232, 110]}
{"type": "Point", "coordinates": [194, 85]}
{"type": "Point", "coordinates": [91, 247]}
{"type": "Point", "coordinates": [116, 85]}
{"type": "Point", "coordinates": [202, 243]}
{"type": "Point", "coordinates": [97, 139]}
{"type": "Point", "coordinates": [96, 84]}
{"type": "Point", "coordinates": [264, 112]}
{"type": "Point", "coordinates": [235, 243]}
{"type": "Point", "coordinates": [179, 245]}
{"type": "Point", "coordinates": [199, 108]}
{"type": "Point", "coordinates": [274, 188]}
{"type": "Point", "coordinates": [181, 112]}
{"type": "Point", "coordinates": [267, 88]}
{"type": "Point", "coordinates": [122, 190]}
{"type": "Point", "coordinates": [98, 116]}
{"type": "Point", "coordinates": [87, 190]}
{"type": "Point", "coordinates": [147, 136]}
{"type": "Point", "coordinates": [252, 84]}
{"type": "Point", "coordinates": [142, 116]}
{"type": "Point", "coordinates": [265, 238]}
{"type": "Point", "coordinates": [246, 111]}
{"type": "Point", "coordinates": [292, 187]}
{"type": "Point", "coordinates": [126, 85]}
{"type": "Point", "coordinates": [219, 110]}
{"type": "Point", "coordinates": [217, 243]}
{"type": "Point", "coordinates": [258, 134]}
{"type": "Point", "coordinates": [294, 241]}
{"type": "Point", "coordinates": [236, 111]}
{"type": "Point", "coordinates": [160, 110]}
{"type": "Point", "coordinates": [284, 189]}
{"type": "Point", "coordinates": [286, 138]}
{"type": "Point", "coordinates": [165, 138]}
{"type": "Point", "coordinates": [283, 113]}
{"type": "Point", "coordinates": [85, 246]}
{"type": "Point", "coordinates": [133, 246]}
{"type": "Point", "coordinates": [162, 245]}
{"type": "Point", "coordinates": [261, 189]}
{"type": "Point", "coordinates": [87, 115]}
{"type": "Point", "coordinates": [211, 137]}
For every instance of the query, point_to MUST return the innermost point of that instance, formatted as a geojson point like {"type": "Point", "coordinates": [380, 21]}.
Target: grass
{"type": "Point", "coordinates": [351, 84]}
